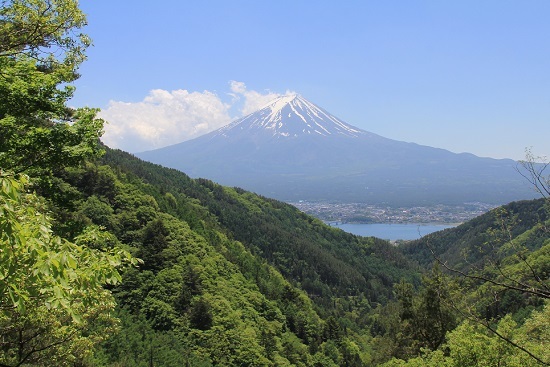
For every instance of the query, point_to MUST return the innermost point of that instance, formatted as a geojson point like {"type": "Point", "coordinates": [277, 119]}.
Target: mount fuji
{"type": "Point", "coordinates": [293, 150]}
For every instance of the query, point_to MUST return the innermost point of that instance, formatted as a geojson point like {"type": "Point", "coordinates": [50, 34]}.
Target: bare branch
{"type": "Point", "coordinates": [471, 316]}
{"type": "Point", "coordinates": [534, 167]}
{"type": "Point", "coordinates": [523, 288]}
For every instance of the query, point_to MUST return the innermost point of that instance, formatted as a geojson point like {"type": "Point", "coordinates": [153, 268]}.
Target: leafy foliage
{"type": "Point", "coordinates": [51, 290]}
{"type": "Point", "coordinates": [53, 305]}
{"type": "Point", "coordinates": [472, 345]}
{"type": "Point", "coordinates": [501, 272]}
{"type": "Point", "coordinates": [40, 52]}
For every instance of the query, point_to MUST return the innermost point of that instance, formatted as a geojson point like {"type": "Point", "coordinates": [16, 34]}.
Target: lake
{"type": "Point", "coordinates": [392, 232]}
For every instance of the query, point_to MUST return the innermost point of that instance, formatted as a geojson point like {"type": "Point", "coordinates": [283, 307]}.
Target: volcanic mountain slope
{"type": "Point", "coordinates": [292, 149]}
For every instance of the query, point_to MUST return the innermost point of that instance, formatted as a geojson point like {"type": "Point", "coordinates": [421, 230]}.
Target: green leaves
{"type": "Point", "coordinates": [40, 51]}
{"type": "Point", "coordinates": [47, 31]}
{"type": "Point", "coordinates": [36, 264]}
{"type": "Point", "coordinates": [41, 273]}
{"type": "Point", "coordinates": [38, 146]}
{"type": "Point", "coordinates": [51, 289]}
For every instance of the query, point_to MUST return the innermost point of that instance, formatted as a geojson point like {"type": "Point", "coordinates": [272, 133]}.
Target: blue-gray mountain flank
{"type": "Point", "coordinates": [294, 150]}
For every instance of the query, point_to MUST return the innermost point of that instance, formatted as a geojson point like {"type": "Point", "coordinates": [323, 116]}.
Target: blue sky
{"type": "Point", "coordinates": [467, 76]}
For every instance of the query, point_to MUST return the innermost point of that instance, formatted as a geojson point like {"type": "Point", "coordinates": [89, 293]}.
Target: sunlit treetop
{"type": "Point", "coordinates": [47, 31]}
{"type": "Point", "coordinates": [41, 48]}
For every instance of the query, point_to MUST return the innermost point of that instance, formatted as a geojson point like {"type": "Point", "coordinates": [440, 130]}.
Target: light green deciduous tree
{"type": "Point", "coordinates": [41, 48]}
{"type": "Point", "coordinates": [52, 299]}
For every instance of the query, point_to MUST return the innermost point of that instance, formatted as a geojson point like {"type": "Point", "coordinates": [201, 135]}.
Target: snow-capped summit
{"type": "Point", "coordinates": [291, 115]}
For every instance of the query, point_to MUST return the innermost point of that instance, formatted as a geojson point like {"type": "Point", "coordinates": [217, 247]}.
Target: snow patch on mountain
{"type": "Point", "coordinates": [291, 115]}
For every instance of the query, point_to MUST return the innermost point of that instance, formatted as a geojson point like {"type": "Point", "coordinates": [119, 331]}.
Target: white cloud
{"type": "Point", "coordinates": [237, 87]}
{"type": "Point", "coordinates": [253, 100]}
{"type": "Point", "coordinates": [164, 118]}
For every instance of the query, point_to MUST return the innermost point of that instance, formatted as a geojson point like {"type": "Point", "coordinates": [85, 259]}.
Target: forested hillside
{"type": "Point", "coordinates": [232, 278]}
{"type": "Point", "coordinates": [473, 243]}
{"type": "Point", "coordinates": [326, 262]}
{"type": "Point", "coordinates": [106, 260]}
{"type": "Point", "coordinates": [493, 274]}
{"type": "Point", "coordinates": [200, 296]}
{"type": "Point", "coordinates": [313, 276]}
